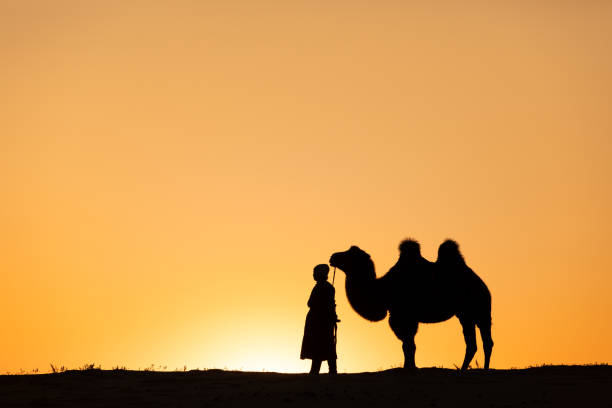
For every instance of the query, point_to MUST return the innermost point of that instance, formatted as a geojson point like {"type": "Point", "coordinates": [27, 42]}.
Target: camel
{"type": "Point", "coordinates": [415, 291]}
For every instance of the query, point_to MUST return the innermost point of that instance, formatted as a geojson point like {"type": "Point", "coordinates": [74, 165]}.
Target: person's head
{"type": "Point", "coordinates": [320, 272]}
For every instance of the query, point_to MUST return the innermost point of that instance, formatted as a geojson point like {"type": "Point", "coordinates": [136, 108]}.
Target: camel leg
{"type": "Point", "coordinates": [487, 342]}
{"type": "Point", "coordinates": [408, 345]}
{"type": "Point", "coordinates": [405, 331]}
{"type": "Point", "coordinates": [469, 334]}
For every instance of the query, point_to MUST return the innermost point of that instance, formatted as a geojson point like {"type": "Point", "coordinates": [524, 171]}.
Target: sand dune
{"type": "Point", "coordinates": [551, 386]}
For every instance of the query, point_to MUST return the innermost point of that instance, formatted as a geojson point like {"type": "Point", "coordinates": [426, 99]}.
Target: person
{"type": "Point", "coordinates": [319, 342]}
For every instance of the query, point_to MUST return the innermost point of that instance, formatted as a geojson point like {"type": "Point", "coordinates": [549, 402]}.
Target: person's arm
{"type": "Point", "coordinates": [330, 301]}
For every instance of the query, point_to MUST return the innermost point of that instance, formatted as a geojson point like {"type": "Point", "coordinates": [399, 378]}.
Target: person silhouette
{"type": "Point", "coordinates": [319, 342]}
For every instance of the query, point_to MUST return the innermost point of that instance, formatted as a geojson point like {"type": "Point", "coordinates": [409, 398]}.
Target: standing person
{"type": "Point", "coordinates": [319, 341]}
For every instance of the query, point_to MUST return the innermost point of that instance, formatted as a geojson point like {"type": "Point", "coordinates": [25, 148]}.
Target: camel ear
{"type": "Point", "coordinates": [360, 252]}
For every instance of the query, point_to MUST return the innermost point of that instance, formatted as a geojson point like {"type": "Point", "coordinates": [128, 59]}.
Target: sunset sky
{"type": "Point", "coordinates": [171, 172]}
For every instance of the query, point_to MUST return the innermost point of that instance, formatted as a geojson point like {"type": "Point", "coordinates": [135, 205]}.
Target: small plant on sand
{"type": "Point", "coordinates": [119, 368]}
{"type": "Point", "coordinates": [88, 367]}
{"type": "Point", "coordinates": [57, 370]}
{"type": "Point", "coordinates": [154, 368]}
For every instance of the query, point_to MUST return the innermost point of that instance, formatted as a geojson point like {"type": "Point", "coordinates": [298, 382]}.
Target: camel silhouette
{"type": "Point", "coordinates": [416, 290]}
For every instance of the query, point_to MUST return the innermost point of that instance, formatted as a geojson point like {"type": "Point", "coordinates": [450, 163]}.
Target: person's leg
{"type": "Point", "coordinates": [332, 366]}
{"type": "Point", "coordinates": [316, 366]}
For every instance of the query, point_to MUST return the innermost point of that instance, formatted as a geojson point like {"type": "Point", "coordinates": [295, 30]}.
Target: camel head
{"type": "Point", "coordinates": [362, 289]}
{"type": "Point", "coordinates": [355, 263]}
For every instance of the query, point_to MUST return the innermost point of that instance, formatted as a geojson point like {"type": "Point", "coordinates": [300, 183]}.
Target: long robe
{"type": "Point", "coordinates": [319, 342]}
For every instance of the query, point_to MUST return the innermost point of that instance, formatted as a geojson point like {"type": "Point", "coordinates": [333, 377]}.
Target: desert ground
{"type": "Point", "coordinates": [549, 386]}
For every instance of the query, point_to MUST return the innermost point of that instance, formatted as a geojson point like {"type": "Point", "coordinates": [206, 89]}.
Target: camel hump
{"type": "Point", "coordinates": [410, 248]}
{"type": "Point", "coordinates": [449, 252]}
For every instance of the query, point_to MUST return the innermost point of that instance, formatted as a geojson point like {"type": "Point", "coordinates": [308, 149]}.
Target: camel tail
{"type": "Point", "coordinates": [486, 301]}
{"type": "Point", "coordinates": [490, 317]}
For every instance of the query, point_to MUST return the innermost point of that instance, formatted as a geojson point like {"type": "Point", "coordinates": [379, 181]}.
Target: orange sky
{"type": "Point", "coordinates": [172, 171]}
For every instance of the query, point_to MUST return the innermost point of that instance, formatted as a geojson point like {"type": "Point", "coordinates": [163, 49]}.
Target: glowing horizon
{"type": "Point", "coordinates": [172, 173]}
